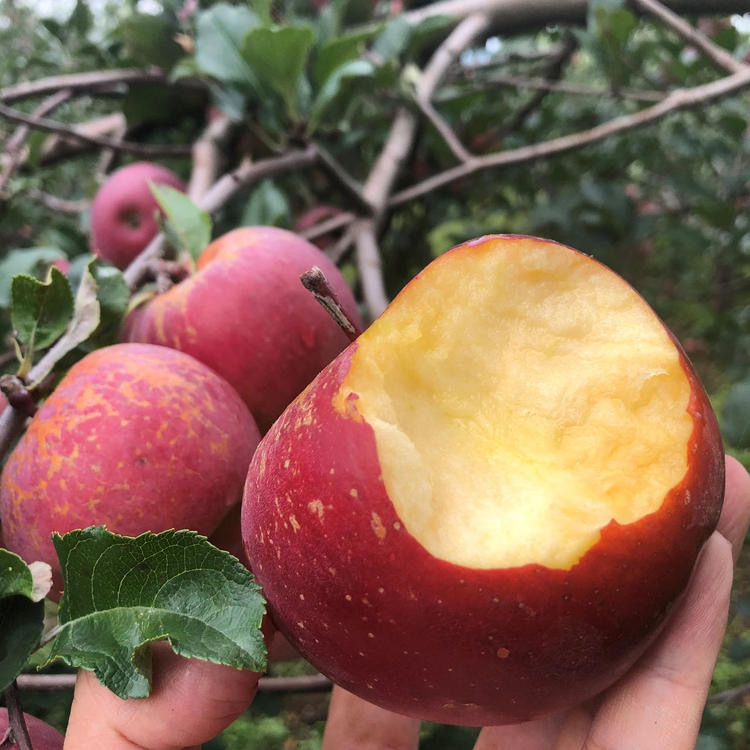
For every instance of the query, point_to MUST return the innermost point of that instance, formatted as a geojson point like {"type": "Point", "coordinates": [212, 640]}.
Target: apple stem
{"type": "Point", "coordinates": [317, 284]}
{"type": "Point", "coordinates": [19, 397]}
{"type": "Point", "coordinates": [16, 722]}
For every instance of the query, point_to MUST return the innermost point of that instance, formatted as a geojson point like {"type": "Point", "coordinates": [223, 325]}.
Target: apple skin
{"type": "Point", "coordinates": [366, 604]}
{"type": "Point", "coordinates": [123, 211]}
{"type": "Point", "coordinates": [246, 314]}
{"type": "Point", "coordinates": [41, 734]}
{"type": "Point", "coordinates": [137, 437]}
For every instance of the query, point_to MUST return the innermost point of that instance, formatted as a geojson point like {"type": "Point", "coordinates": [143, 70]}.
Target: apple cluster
{"type": "Point", "coordinates": [458, 516]}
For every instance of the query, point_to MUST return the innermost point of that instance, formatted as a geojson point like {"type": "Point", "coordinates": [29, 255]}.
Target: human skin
{"type": "Point", "coordinates": [657, 705]}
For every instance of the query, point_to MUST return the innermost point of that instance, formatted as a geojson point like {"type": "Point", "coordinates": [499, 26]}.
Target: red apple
{"type": "Point", "coordinates": [137, 437]}
{"type": "Point", "coordinates": [246, 314]}
{"type": "Point", "coordinates": [314, 216]}
{"type": "Point", "coordinates": [123, 213]}
{"type": "Point", "coordinates": [484, 509]}
{"type": "Point", "coordinates": [41, 734]}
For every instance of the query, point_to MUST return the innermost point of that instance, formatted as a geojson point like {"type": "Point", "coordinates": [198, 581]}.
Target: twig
{"type": "Point", "coordinates": [317, 284]}
{"type": "Point", "coordinates": [302, 684]}
{"type": "Point", "coordinates": [718, 56]}
{"type": "Point", "coordinates": [14, 146]}
{"type": "Point", "coordinates": [338, 250]}
{"type": "Point", "coordinates": [380, 181]}
{"type": "Point", "coordinates": [88, 82]}
{"type": "Point", "coordinates": [16, 722]}
{"type": "Point", "coordinates": [70, 131]}
{"type": "Point", "coordinates": [59, 205]}
{"type": "Point", "coordinates": [446, 132]}
{"type": "Point", "coordinates": [246, 174]}
{"type": "Point", "coordinates": [677, 100]}
{"type": "Point", "coordinates": [342, 177]}
{"type": "Point", "coordinates": [329, 225]}
{"type": "Point", "coordinates": [565, 87]}
{"type": "Point", "coordinates": [206, 155]}
{"type": "Point", "coordinates": [732, 694]}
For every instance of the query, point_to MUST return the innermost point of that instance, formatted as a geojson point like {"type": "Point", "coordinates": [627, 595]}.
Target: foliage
{"type": "Point", "coordinates": [664, 205]}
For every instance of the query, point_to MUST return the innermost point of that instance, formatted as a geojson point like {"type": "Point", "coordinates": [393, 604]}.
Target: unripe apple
{"type": "Point", "coordinates": [245, 314]}
{"type": "Point", "coordinates": [485, 508]}
{"type": "Point", "coordinates": [41, 734]}
{"type": "Point", "coordinates": [124, 210]}
{"type": "Point", "coordinates": [137, 437]}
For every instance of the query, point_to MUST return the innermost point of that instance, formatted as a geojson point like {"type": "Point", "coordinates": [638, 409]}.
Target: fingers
{"type": "Point", "coordinates": [735, 515]}
{"type": "Point", "coordinates": [660, 702]}
{"type": "Point", "coordinates": [354, 724]}
{"type": "Point", "coordinates": [533, 735]}
{"type": "Point", "coordinates": [191, 702]}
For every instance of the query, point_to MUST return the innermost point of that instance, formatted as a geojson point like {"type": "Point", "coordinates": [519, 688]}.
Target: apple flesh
{"type": "Point", "coordinates": [137, 437]}
{"type": "Point", "coordinates": [246, 315]}
{"type": "Point", "coordinates": [484, 509]}
{"type": "Point", "coordinates": [124, 210]}
{"type": "Point", "coordinates": [41, 734]}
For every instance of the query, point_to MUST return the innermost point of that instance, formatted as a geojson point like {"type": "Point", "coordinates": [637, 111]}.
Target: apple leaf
{"type": "Point", "coordinates": [335, 52]}
{"type": "Point", "coordinates": [278, 56]}
{"type": "Point", "coordinates": [40, 310]}
{"type": "Point", "coordinates": [82, 324]}
{"type": "Point", "coordinates": [267, 206]}
{"type": "Point", "coordinates": [27, 261]}
{"type": "Point", "coordinates": [22, 590]}
{"type": "Point", "coordinates": [218, 43]}
{"type": "Point", "coordinates": [188, 228]}
{"type": "Point", "coordinates": [334, 86]}
{"type": "Point", "coordinates": [113, 296]}
{"type": "Point", "coordinates": [122, 593]}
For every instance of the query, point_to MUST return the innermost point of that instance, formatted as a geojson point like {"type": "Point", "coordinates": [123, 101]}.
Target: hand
{"type": "Point", "coordinates": [658, 704]}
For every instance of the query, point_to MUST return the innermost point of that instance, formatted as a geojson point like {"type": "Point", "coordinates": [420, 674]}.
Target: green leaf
{"type": "Point", "coordinates": [26, 261]}
{"type": "Point", "coordinates": [40, 310]}
{"type": "Point", "coordinates": [334, 53]}
{"type": "Point", "coordinates": [22, 590]}
{"type": "Point", "coordinates": [278, 57]}
{"type": "Point", "coordinates": [113, 296]}
{"type": "Point", "coordinates": [267, 206]}
{"type": "Point", "coordinates": [735, 415]}
{"type": "Point", "coordinates": [392, 41]}
{"type": "Point", "coordinates": [122, 593]}
{"type": "Point", "coordinates": [188, 228]}
{"type": "Point", "coordinates": [149, 39]}
{"type": "Point", "coordinates": [220, 34]}
{"type": "Point", "coordinates": [83, 323]}
{"type": "Point", "coordinates": [262, 9]}
{"type": "Point", "coordinates": [334, 86]}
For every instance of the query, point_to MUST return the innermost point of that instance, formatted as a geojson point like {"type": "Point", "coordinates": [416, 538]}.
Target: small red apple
{"type": "Point", "coordinates": [41, 734]}
{"type": "Point", "coordinates": [246, 314]}
{"type": "Point", "coordinates": [123, 212]}
{"type": "Point", "coordinates": [484, 509]}
{"type": "Point", "coordinates": [137, 437]}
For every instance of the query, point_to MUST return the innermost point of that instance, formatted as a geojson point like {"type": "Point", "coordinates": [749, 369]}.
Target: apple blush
{"type": "Point", "coordinates": [486, 507]}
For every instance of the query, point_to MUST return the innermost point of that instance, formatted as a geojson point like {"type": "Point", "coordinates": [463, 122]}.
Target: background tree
{"type": "Point", "coordinates": [388, 132]}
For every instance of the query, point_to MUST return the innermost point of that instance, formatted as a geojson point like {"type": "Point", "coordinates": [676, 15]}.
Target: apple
{"type": "Point", "coordinates": [124, 210]}
{"type": "Point", "coordinates": [41, 734]}
{"type": "Point", "coordinates": [245, 314]}
{"type": "Point", "coordinates": [137, 437]}
{"type": "Point", "coordinates": [314, 216]}
{"type": "Point", "coordinates": [485, 508]}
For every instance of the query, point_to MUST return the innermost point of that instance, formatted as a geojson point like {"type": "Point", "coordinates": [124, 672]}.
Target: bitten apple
{"type": "Point", "coordinates": [246, 314]}
{"type": "Point", "coordinates": [137, 437]}
{"type": "Point", "coordinates": [124, 210]}
{"type": "Point", "coordinates": [485, 508]}
{"type": "Point", "coordinates": [41, 734]}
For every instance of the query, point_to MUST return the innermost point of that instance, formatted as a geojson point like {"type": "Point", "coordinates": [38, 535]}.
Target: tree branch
{"type": "Point", "coordinates": [89, 82]}
{"type": "Point", "coordinates": [16, 722]}
{"type": "Point", "coordinates": [14, 146]}
{"type": "Point", "coordinates": [717, 55]}
{"type": "Point", "coordinates": [70, 131]}
{"type": "Point", "coordinates": [55, 203]}
{"type": "Point", "coordinates": [726, 696]}
{"type": "Point", "coordinates": [246, 174]}
{"type": "Point", "coordinates": [329, 225]}
{"type": "Point", "coordinates": [446, 132]}
{"type": "Point", "coordinates": [380, 181]}
{"type": "Point", "coordinates": [678, 99]}
{"type": "Point", "coordinates": [206, 156]}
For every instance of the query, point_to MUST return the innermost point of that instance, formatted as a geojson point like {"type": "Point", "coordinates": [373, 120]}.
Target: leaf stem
{"type": "Point", "coordinates": [16, 722]}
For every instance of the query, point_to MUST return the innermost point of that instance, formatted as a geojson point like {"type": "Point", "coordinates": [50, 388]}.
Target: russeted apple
{"type": "Point", "coordinates": [41, 734]}
{"type": "Point", "coordinates": [245, 314]}
{"type": "Point", "coordinates": [485, 508]}
{"type": "Point", "coordinates": [137, 437]}
{"type": "Point", "coordinates": [124, 211]}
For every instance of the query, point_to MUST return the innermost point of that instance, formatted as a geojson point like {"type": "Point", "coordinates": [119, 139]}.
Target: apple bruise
{"type": "Point", "coordinates": [538, 384]}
